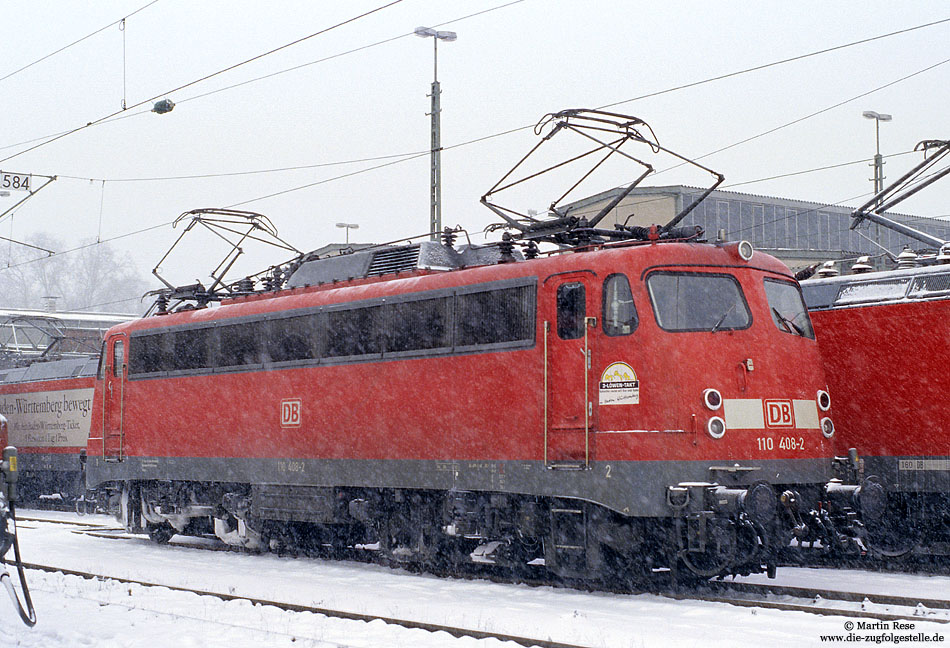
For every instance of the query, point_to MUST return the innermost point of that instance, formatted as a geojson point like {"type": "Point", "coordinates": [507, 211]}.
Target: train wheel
{"type": "Point", "coordinates": [899, 530]}
{"type": "Point", "coordinates": [160, 533]}
{"type": "Point", "coordinates": [892, 537]}
{"type": "Point", "coordinates": [720, 552]}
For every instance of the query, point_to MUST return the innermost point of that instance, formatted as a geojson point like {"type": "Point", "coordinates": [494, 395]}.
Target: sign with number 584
{"type": "Point", "coordinates": [15, 181]}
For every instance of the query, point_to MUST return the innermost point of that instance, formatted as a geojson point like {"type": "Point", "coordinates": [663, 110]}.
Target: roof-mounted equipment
{"type": "Point", "coordinates": [610, 133]}
{"type": "Point", "coordinates": [236, 228]}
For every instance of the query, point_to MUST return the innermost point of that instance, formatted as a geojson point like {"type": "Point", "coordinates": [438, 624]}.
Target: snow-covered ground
{"type": "Point", "coordinates": [77, 612]}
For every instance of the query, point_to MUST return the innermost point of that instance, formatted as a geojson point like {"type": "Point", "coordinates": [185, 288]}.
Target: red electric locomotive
{"type": "Point", "coordinates": [642, 400]}
{"type": "Point", "coordinates": [47, 406]}
{"type": "Point", "coordinates": [47, 372]}
{"type": "Point", "coordinates": [885, 339]}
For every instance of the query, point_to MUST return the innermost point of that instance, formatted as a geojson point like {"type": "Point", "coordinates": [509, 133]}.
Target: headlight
{"type": "Point", "coordinates": [746, 250]}
{"type": "Point", "coordinates": [712, 398]}
{"type": "Point", "coordinates": [827, 427]}
{"type": "Point", "coordinates": [824, 400]}
{"type": "Point", "coordinates": [716, 427]}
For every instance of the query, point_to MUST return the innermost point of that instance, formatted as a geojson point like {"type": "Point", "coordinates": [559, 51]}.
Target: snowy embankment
{"type": "Point", "coordinates": [76, 612]}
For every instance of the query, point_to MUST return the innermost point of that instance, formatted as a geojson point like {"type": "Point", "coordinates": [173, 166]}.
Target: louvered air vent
{"type": "Point", "coordinates": [393, 260]}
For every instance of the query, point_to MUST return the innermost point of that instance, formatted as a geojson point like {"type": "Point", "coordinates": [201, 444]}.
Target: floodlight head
{"type": "Point", "coordinates": [426, 32]}
{"type": "Point", "coordinates": [870, 114]}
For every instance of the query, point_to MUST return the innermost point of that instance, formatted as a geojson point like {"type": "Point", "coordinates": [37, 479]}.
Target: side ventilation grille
{"type": "Point", "coordinates": [394, 260]}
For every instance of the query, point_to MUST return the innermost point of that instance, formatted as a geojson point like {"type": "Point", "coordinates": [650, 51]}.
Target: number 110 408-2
{"type": "Point", "coordinates": [784, 443]}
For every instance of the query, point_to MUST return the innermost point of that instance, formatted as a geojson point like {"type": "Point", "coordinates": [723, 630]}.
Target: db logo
{"type": "Point", "coordinates": [778, 413]}
{"type": "Point", "coordinates": [290, 413]}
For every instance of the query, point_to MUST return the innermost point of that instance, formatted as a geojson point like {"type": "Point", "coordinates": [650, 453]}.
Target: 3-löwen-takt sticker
{"type": "Point", "coordinates": [619, 385]}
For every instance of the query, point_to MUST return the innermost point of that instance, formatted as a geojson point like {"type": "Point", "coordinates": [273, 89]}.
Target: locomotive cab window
{"type": "Point", "coordinates": [571, 299]}
{"type": "Point", "coordinates": [620, 315]}
{"type": "Point", "coordinates": [692, 301]}
{"type": "Point", "coordinates": [787, 308]}
{"type": "Point", "coordinates": [118, 358]}
{"type": "Point", "coordinates": [101, 369]}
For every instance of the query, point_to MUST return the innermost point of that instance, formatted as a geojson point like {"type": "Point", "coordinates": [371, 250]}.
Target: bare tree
{"type": "Point", "coordinates": [93, 278]}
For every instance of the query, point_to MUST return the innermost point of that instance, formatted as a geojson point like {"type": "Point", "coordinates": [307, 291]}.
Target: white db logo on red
{"type": "Point", "coordinates": [290, 413]}
{"type": "Point", "coordinates": [778, 413]}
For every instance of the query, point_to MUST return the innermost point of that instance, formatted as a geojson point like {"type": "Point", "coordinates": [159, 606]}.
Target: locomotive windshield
{"type": "Point", "coordinates": [787, 308]}
{"type": "Point", "coordinates": [688, 301]}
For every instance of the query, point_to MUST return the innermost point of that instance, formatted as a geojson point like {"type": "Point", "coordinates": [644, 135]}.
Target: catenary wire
{"type": "Point", "coordinates": [480, 139]}
{"type": "Point", "coordinates": [399, 161]}
{"type": "Point", "coordinates": [594, 210]}
{"type": "Point", "coordinates": [164, 224]}
{"type": "Point", "coordinates": [525, 127]}
{"type": "Point", "coordinates": [254, 172]}
{"type": "Point", "coordinates": [793, 122]}
{"type": "Point", "coordinates": [780, 62]}
{"type": "Point", "coordinates": [128, 114]}
{"type": "Point", "coordinates": [340, 54]}
{"type": "Point", "coordinates": [520, 128]}
{"type": "Point", "coordinates": [209, 76]}
{"type": "Point", "coordinates": [76, 42]}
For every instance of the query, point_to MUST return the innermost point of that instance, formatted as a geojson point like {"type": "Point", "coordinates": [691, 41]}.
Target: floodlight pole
{"type": "Point", "coordinates": [435, 158]}
{"type": "Point", "coordinates": [435, 198]}
{"type": "Point", "coordinates": [878, 158]}
{"type": "Point", "coordinates": [878, 161]}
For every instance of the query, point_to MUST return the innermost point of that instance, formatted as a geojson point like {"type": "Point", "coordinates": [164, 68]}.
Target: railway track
{"type": "Point", "coordinates": [826, 602]}
{"type": "Point", "coordinates": [821, 601]}
{"type": "Point", "coordinates": [294, 607]}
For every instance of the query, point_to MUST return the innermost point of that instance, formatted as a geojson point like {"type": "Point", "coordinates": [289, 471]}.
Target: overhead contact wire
{"type": "Point", "coordinates": [87, 36]}
{"type": "Point", "coordinates": [520, 128]}
{"type": "Point", "coordinates": [209, 76]}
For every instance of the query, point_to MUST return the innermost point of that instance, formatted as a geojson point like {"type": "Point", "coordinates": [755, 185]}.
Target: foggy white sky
{"type": "Point", "coordinates": [508, 67]}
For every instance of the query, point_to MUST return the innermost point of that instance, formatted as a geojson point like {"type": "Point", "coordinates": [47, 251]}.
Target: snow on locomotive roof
{"type": "Point", "coordinates": [910, 284]}
{"type": "Point", "coordinates": [55, 370]}
{"type": "Point", "coordinates": [378, 261]}
{"type": "Point", "coordinates": [68, 317]}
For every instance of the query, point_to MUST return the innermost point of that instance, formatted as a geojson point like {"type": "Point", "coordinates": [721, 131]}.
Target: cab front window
{"type": "Point", "coordinates": [693, 301]}
{"type": "Point", "coordinates": [787, 308]}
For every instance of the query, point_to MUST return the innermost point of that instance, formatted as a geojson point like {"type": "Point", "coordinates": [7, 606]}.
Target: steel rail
{"type": "Point", "coordinates": [835, 595]}
{"type": "Point", "coordinates": [328, 612]}
{"type": "Point", "coordinates": [828, 595]}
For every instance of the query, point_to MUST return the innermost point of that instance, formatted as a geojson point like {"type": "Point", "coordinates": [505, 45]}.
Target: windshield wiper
{"type": "Point", "coordinates": [723, 318]}
{"type": "Point", "coordinates": [789, 325]}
